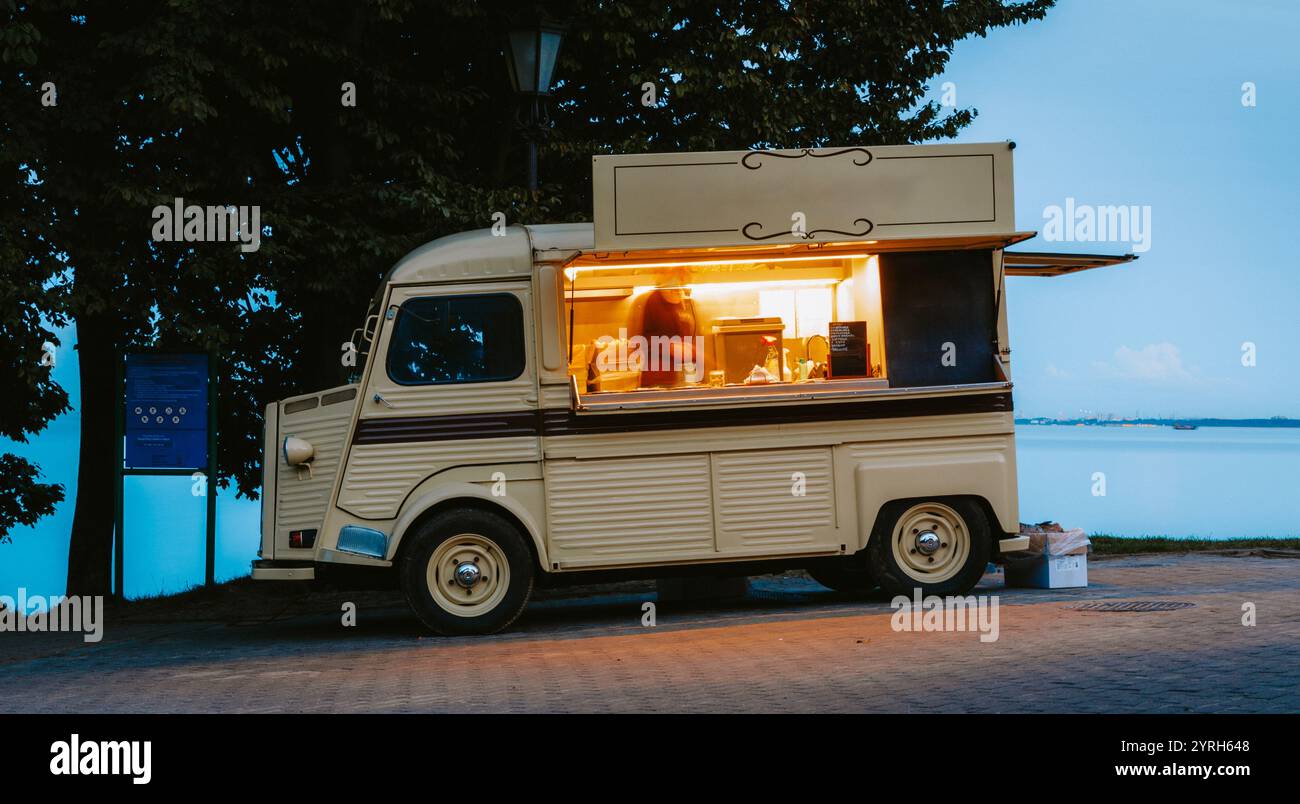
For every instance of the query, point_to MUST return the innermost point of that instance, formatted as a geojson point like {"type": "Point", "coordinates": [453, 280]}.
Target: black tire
{"type": "Point", "coordinates": [848, 574]}
{"type": "Point", "coordinates": [491, 543]}
{"type": "Point", "coordinates": [898, 580]}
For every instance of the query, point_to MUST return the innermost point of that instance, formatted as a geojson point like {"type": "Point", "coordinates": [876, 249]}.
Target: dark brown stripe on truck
{"type": "Point", "coordinates": [447, 428]}
{"type": "Point", "coordinates": [561, 421]}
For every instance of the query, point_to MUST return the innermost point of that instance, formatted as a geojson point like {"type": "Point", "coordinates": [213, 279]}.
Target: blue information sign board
{"type": "Point", "coordinates": [166, 411]}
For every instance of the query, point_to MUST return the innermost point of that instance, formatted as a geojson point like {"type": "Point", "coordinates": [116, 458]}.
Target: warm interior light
{"type": "Point", "coordinates": [775, 284]}
{"type": "Point", "coordinates": [814, 308]}
{"type": "Point", "coordinates": [723, 286]}
{"type": "Point", "coordinates": [804, 293]}
{"type": "Point", "coordinates": [573, 268]}
{"type": "Point", "coordinates": [805, 310]}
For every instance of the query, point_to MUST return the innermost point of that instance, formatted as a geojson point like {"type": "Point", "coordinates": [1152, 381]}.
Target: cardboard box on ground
{"type": "Point", "coordinates": [1056, 558]}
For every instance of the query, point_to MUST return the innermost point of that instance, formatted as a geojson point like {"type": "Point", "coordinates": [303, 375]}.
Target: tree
{"type": "Point", "coordinates": [32, 307]}
{"type": "Point", "coordinates": [243, 103]}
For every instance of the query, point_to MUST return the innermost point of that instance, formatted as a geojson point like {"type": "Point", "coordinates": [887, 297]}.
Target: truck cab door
{"type": "Point", "coordinates": [452, 383]}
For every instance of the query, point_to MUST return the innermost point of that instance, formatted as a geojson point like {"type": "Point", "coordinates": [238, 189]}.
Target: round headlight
{"type": "Point", "coordinates": [298, 451]}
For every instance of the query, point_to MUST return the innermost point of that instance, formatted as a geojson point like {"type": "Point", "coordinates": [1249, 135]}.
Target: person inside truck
{"type": "Point", "coordinates": [669, 313]}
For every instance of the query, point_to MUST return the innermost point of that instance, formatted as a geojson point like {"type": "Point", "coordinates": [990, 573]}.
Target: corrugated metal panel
{"type": "Point", "coordinates": [625, 511]}
{"type": "Point", "coordinates": [555, 396]}
{"type": "Point", "coordinates": [774, 498]}
{"type": "Point", "coordinates": [380, 476]}
{"type": "Point", "coordinates": [301, 500]}
{"type": "Point", "coordinates": [955, 450]}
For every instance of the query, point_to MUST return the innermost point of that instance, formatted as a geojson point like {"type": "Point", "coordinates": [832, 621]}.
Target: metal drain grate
{"type": "Point", "coordinates": [1132, 605]}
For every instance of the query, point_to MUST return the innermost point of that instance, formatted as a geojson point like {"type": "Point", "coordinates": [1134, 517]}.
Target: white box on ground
{"type": "Point", "coordinates": [1048, 572]}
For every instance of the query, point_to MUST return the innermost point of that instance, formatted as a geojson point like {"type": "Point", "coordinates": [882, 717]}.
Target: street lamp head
{"type": "Point", "coordinates": [530, 56]}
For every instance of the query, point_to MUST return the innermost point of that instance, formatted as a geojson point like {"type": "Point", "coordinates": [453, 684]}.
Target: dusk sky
{"type": "Point", "coordinates": [1140, 103]}
{"type": "Point", "coordinates": [1110, 102]}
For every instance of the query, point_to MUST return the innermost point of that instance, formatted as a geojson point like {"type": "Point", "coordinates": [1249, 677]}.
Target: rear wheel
{"type": "Point", "coordinates": [467, 572]}
{"type": "Point", "coordinates": [938, 546]}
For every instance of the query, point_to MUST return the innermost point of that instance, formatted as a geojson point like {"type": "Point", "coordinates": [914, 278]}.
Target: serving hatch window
{"type": "Point", "coordinates": [715, 324]}
{"type": "Point", "coordinates": [457, 339]}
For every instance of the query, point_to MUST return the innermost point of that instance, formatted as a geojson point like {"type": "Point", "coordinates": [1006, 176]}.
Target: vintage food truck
{"type": "Point", "coordinates": [748, 361]}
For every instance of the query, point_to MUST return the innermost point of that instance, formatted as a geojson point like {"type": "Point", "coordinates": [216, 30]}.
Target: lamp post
{"type": "Point", "coordinates": [531, 49]}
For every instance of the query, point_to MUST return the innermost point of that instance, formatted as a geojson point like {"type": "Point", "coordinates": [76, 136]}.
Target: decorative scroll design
{"type": "Point", "coordinates": [758, 155]}
{"type": "Point", "coordinates": [807, 235]}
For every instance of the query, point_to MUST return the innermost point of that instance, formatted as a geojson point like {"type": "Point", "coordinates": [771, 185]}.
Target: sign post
{"type": "Point", "coordinates": [166, 426]}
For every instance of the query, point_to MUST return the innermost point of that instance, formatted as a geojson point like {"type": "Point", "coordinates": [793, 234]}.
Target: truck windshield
{"type": "Point", "coordinates": [457, 339]}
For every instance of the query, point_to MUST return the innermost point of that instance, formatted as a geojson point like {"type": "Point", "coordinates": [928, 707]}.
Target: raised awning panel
{"type": "Point", "coordinates": [818, 195]}
{"type": "Point", "coordinates": [1042, 263]}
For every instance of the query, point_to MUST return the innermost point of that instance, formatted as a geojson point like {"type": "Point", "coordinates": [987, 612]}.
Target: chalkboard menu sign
{"type": "Point", "coordinates": [850, 353]}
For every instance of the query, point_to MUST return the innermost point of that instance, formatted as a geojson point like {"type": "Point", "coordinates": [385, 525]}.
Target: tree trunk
{"type": "Point", "coordinates": [90, 553]}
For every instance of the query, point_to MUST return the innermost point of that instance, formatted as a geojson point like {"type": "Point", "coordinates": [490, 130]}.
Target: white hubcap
{"type": "Point", "coordinates": [930, 542]}
{"type": "Point", "coordinates": [468, 575]}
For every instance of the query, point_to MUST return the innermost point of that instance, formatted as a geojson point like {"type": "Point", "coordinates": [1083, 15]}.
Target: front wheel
{"type": "Point", "coordinates": [938, 546]}
{"type": "Point", "coordinates": [467, 572]}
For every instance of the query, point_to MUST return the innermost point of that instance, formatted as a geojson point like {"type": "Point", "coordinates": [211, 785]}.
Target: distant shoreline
{"type": "Point", "coordinates": [1277, 421]}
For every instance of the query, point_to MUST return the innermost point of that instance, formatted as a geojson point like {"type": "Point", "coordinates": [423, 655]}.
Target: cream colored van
{"type": "Point", "coordinates": [748, 361]}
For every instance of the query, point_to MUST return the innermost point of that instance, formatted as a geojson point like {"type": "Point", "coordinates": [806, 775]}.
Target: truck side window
{"type": "Point", "coordinates": [456, 339]}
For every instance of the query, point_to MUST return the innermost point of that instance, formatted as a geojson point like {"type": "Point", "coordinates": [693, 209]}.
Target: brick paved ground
{"type": "Point", "coordinates": [789, 646]}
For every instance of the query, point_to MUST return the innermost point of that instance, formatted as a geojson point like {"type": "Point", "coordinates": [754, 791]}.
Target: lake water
{"type": "Point", "coordinates": [1215, 482]}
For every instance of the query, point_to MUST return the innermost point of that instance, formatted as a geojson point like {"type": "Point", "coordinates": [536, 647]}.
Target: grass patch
{"type": "Point", "coordinates": [1120, 545]}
